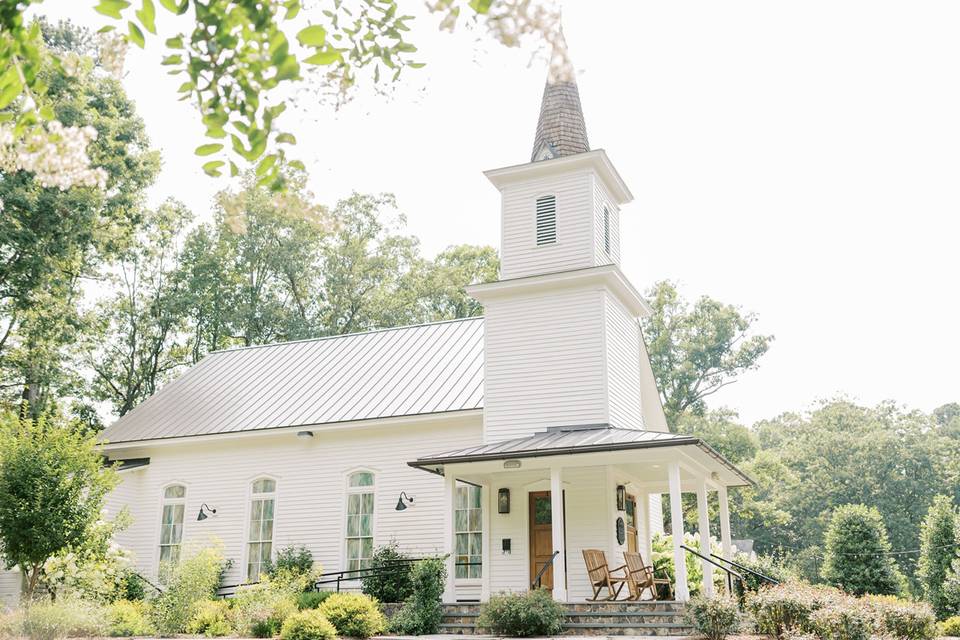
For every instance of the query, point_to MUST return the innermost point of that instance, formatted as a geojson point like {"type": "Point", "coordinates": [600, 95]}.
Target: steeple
{"type": "Point", "coordinates": [561, 130]}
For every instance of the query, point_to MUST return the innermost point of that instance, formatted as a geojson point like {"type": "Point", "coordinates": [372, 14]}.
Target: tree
{"type": "Point", "coordinates": [939, 540]}
{"type": "Point", "coordinates": [52, 239]}
{"type": "Point", "coordinates": [696, 351]}
{"type": "Point", "coordinates": [52, 490]}
{"type": "Point", "coordinates": [718, 428]}
{"type": "Point", "coordinates": [857, 553]}
{"type": "Point", "coordinates": [138, 341]}
{"type": "Point", "coordinates": [444, 294]}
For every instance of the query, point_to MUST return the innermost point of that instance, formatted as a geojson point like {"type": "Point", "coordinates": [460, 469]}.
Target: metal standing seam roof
{"type": "Point", "coordinates": [406, 371]}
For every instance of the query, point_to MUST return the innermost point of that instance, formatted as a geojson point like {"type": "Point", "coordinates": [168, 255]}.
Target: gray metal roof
{"type": "Point", "coordinates": [561, 130]}
{"type": "Point", "coordinates": [423, 369]}
{"type": "Point", "coordinates": [570, 440]}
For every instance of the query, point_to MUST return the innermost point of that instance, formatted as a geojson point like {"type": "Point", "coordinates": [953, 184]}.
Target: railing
{"type": "Point", "coordinates": [349, 575]}
{"type": "Point", "coordinates": [761, 577]}
{"type": "Point", "coordinates": [539, 579]}
{"type": "Point", "coordinates": [731, 574]}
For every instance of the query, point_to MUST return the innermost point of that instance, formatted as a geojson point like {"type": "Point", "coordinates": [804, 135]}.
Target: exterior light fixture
{"type": "Point", "coordinates": [203, 512]}
{"type": "Point", "coordinates": [401, 505]}
{"type": "Point", "coordinates": [621, 498]}
{"type": "Point", "coordinates": [304, 435]}
{"type": "Point", "coordinates": [503, 502]}
{"type": "Point", "coordinates": [715, 476]}
{"type": "Point", "coordinates": [511, 464]}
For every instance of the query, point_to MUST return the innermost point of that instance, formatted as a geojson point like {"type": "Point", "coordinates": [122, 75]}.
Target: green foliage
{"type": "Point", "coordinates": [454, 267]}
{"type": "Point", "coordinates": [939, 537]}
{"type": "Point", "coordinates": [64, 618]}
{"type": "Point", "coordinates": [292, 560]}
{"type": "Point", "coordinates": [950, 627]}
{"type": "Point", "coordinates": [97, 569]}
{"type": "Point", "coordinates": [211, 618]}
{"type": "Point", "coordinates": [533, 613]}
{"type": "Point", "coordinates": [422, 612]}
{"type": "Point", "coordinates": [307, 625]}
{"type": "Point", "coordinates": [662, 546]}
{"type": "Point", "coordinates": [312, 599]}
{"type": "Point", "coordinates": [718, 428]}
{"type": "Point", "coordinates": [52, 490]}
{"type": "Point", "coordinates": [856, 556]}
{"type": "Point", "coordinates": [696, 351]}
{"type": "Point", "coordinates": [260, 609]}
{"type": "Point", "coordinates": [765, 565]}
{"type": "Point", "coordinates": [189, 584]}
{"type": "Point", "coordinates": [354, 614]}
{"type": "Point", "coordinates": [395, 582]}
{"type": "Point", "coordinates": [713, 618]}
{"type": "Point", "coordinates": [902, 619]}
{"type": "Point", "coordinates": [841, 621]}
{"type": "Point", "coordinates": [779, 609]}
{"type": "Point", "coordinates": [127, 618]}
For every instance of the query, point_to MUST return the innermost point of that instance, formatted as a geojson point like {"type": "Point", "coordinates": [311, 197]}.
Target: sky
{"type": "Point", "coordinates": [797, 159]}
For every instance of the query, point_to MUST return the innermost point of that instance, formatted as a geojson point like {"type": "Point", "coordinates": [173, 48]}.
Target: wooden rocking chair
{"type": "Point", "coordinates": [601, 575]}
{"type": "Point", "coordinates": [641, 577]}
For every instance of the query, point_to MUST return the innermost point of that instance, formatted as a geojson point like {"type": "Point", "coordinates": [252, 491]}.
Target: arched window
{"type": "Point", "coordinates": [171, 526]}
{"type": "Point", "coordinates": [360, 501]}
{"type": "Point", "coordinates": [260, 539]}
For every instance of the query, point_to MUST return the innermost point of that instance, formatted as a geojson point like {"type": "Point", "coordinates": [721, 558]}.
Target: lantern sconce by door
{"type": "Point", "coordinates": [503, 500]}
{"type": "Point", "coordinates": [621, 498]}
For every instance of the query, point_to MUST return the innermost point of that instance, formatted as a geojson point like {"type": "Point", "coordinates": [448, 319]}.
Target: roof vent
{"type": "Point", "coordinates": [546, 220]}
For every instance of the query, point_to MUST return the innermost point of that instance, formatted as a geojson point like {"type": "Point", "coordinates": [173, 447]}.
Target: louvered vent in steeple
{"type": "Point", "coordinates": [546, 220]}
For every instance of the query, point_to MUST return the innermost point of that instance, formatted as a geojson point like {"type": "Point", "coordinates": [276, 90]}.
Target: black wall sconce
{"type": "Point", "coordinates": [503, 500]}
{"type": "Point", "coordinates": [203, 512]}
{"type": "Point", "coordinates": [401, 505]}
{"type": "Point", "coordinates": [621, 498]}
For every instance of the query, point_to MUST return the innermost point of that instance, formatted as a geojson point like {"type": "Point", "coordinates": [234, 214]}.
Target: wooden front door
{"type": "Point", "coordinates": [541, 537]}
{"type": "Point", "coordinates": [631, 523]}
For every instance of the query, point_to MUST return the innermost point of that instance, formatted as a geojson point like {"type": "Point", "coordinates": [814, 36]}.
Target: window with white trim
{"type": "Point", "coordinates": [546, 220]}
{"type": "Point", "coordinates": [263, 502]}
{"type": "Point", "coordinates": [171, 526]}
{"type": "Point", "coordinates": [468, 531]}
{"type": "Point", "coordinates": [359, 537]}
{"type": "Point", "coordinates": [606, 229]}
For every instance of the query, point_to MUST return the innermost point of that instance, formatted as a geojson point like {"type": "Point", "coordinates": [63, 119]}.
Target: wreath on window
{"type": "Point", "coordinates": [621, 531]}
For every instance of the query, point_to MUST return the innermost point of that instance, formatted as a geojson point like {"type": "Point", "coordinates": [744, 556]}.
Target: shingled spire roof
{"type": "Point", "coordinates": [561, 130]}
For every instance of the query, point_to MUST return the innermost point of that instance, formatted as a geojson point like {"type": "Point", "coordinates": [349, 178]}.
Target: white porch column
{"type": "Point", "coordinates": [647, 549]}
{"type": "Point", "coordinates": [557, 528]}
{"type": "Point", "coordinates": [681, 590]}
{"type": "Point", "coordinates": [486, 504]}
{"type": "Point", "coordinates": [703, 514]}
{"type": "Point", "coordinates": [725, 539]}
{"type": "Point", "coordinates": [449, 546]}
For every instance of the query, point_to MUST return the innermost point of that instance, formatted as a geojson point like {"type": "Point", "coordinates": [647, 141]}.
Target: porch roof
{"type": "Point", "coordinates": [572, 440]}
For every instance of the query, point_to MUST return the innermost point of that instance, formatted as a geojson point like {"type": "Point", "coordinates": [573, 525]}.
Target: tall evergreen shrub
{"type": "Point", "coordinates": [939, 535]}
{"type": "Point", "coordinates": [857, 553]}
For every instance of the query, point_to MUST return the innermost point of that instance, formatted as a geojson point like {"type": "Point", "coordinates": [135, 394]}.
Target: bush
{"type": "Point", "coordinates": [841, 621]}
{"type": "Point", "coordinates": [938, 536]}
{"type": "Point", "coordinates": [766, 565]}
{"type": "Point", "coordinates": [534, 613]}
{"type": "Point", "coordinates": [662, 546]}
{"type": "Point", "coordinates": [354, 614]}
{"type": "Point", "coordinates": [312, 599]}
{"type": "Point", "coordinates": [950, 627]}
{"type": "Point", "coordinates": [65, 618]}
{"type": "Point", "coordinates": [307, 625]}
{"type": "Point", "coordinates": [788, 606]}
{"type": "Point", "coordinates": [259, 610]}
{"type": "Point", "coordinates": [295, 560]}
{"type": "Point", "coordinates": [713, 618]}
{"type": "Point", "coordinates": [856, 557]}
{"type": "Point", "coordinates": [422, 612]}
{"type": "Point", "coordinates": [193, 581]}
{"type": "Point", "coordinates": [211, 618]}
{"type": "Point", "coordinates": [901, 618]}
{"type": "Point", "coordinates": [134, 587]}
{"type": "Point", "coordinates": [395, 583]}
{"type": "Point", "coordinates": [127, 618]}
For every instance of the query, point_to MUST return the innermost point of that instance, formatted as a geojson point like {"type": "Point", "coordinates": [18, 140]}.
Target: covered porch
{"type": "Point", "coordinates": [547, 497]}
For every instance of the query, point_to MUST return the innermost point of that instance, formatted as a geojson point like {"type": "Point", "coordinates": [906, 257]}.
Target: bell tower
{"type": "Point", "coordinates": [562, 339]}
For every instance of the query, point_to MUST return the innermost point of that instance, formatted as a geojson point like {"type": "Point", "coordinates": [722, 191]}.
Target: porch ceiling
{"type": "Point", "coordinates": [589, 445]}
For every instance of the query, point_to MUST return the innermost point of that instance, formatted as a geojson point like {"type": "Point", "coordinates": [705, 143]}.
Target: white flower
{"type": "Point", "coordinates": [113, 52]}
{"type": "Point", "coordinates": [57, 155]}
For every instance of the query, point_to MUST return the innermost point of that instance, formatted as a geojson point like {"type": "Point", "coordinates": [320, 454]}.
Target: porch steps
{"type": "Point", "coordinates": [591, 619]}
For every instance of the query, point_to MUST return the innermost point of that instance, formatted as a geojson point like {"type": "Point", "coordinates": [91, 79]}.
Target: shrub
{"type": "Point", "coordinates": [134, 587]}
{"type": "Point", "coordinates": [65, 618]}
{"type": "Point", "coordinates": [901, 618]}
{"type": "Point", "coordinates": [259, 610]}
{"type": "Point", "coordinates": [856, 557]}
{"type": "Point", "coordinates": [354, 614]}
{"type": "Point", "coordinates": [312, 599]}
{"type": "Point", "coordinates": [950, 627]}
{"type": "Point", "coordinates": [788, 606]}
{"type": "Point", "coordinates": [394, 582]}
{"type": "Point", "coordinates": [713, 618]}
{"type": "Point", "coordinates": [10, 624]}
{"type": "Point", "coordinates": [662, 547]}
{"type": "Point", "coordinates": [307, 625]}
{"type": "Point", "coordinates": [422, 612]}
{"type": "Point", "coordinates": [193, 581]}
{"type": "Point", "coordinates": [211, 618]}
{"type": "Point", "coordinates": [295, 560]}
{"type": "Point", "coordinates": [127, 618]}
{"type": "Point", "coordinates": [939, 535]}
{"type": "Point", "coordinates": [766, 565]}
{"type": "Point", "coordinates": [534, 613]}
{"type": "Point", "coordinates": [841, 621]}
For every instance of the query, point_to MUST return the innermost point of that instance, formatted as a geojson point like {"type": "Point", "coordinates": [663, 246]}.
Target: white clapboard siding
{"type": "Point", "coordinates": [601, 200]}
{"type": "Point", "coordinates": [10, 581]}
{"type": "Point", "coordinates": [544, 363]}
{"type": "Point", "coordinates": [573, 249]}
{"type": "Point", "coordinates": [623, 362]}
{"type": "Point", "coordinates": [311, 489]}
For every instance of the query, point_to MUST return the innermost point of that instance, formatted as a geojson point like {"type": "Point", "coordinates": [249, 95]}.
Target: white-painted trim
{"type": "Point", "coordinates": [681, 589]}
{"type": "Point", "coordinates": [449, 502]}
{"type": "Point", "coordinates": [606, 359]}
{"type": "Point", "coordinates": [245, 554]}
{"type": "Point", "coordinates": [159, 519]}
{"type": "Point", "coordinates": [596, 160]}
{"type": "Point", "coordinates": [703, 516]}
{"type": "Point", "coordinates": [486, 501]}
{"type": "Point", "coordinates": [557, 528]}
{"type": "Point", "coordinates": [344, 502]}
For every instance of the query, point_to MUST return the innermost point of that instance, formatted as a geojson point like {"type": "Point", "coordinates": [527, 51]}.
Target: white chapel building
{"type": "Point", "coordinates": [510, 442]}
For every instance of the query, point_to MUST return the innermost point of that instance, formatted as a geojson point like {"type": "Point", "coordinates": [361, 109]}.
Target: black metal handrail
{"type": "Point", "coordinates": [731, 574]}
{"type": "Point", "coordinates": [549, 563]}
{"type": "Point", "coordinates": [759, 575]}
{"type": "Point", "coordinates": [349, 575]}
